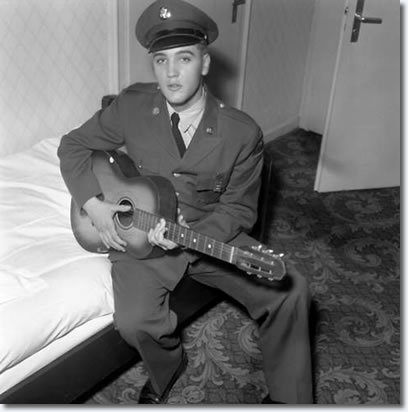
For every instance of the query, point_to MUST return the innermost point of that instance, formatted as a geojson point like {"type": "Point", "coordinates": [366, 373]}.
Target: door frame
{"type": "Point", "coordinates": [244, 54]}
{"type": "Point", "coordinates": [341, 34]}
{"type": "Point", "coordinates": [113, 47]}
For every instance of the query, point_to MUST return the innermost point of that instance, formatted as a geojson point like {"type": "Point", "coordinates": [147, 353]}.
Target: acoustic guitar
{"type": "Point", "coordinates": [151, 198]}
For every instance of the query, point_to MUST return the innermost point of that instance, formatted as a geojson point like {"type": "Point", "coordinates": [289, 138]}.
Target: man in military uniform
{"type": "Point", "coordinates": [213, 156]}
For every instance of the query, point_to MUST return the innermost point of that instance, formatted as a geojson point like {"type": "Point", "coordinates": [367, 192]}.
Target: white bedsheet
{"type": "Point", "coordinates": [48, 284]}
{"type": "Point", "coordinates": [49, 353]}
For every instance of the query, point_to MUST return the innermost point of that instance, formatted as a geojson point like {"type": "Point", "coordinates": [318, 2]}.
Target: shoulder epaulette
{"type": "Point", "coordinates": [236, 114]}
{"type": "Point", "coordinates": [142, 88]}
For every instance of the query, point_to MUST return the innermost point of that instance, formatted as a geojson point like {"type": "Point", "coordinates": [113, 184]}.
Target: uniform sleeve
{"type": "Point", "coordinates": [236, 210]}
{"type": "Point", "coordinates": [103, 131]}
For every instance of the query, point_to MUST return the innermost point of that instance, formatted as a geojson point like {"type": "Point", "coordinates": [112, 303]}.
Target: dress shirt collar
{"type": "Point", "coordinates": [191, 116]}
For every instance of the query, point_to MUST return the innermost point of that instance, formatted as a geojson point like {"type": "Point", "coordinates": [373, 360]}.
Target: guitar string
{"type": "Point", "coordinates": [146, 220]}
{"type": "Point", "coordinates": [185, 236]}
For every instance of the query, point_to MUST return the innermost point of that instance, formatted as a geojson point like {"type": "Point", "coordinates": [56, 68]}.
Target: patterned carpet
{"type": "Point", "coordinates": [347, 245]}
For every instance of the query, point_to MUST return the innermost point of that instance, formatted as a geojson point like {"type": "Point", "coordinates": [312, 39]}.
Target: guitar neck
{"type": "Point", "coordinates": [186, 237]}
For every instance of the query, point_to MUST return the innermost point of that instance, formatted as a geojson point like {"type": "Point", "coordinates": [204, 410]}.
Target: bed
{"type": "Point", "coordinates": [57, 339]}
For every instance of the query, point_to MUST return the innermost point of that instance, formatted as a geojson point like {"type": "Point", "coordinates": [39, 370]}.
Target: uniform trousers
{"type": "Point", "coordinates": [281, 311]}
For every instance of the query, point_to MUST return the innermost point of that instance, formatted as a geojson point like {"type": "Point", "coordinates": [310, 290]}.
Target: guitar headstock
{"type": "Point", "coordinates": [261, 262]}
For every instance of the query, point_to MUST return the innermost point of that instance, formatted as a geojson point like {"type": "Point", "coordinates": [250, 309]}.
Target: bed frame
{"type": "Point", "coordinates": [72, 376]}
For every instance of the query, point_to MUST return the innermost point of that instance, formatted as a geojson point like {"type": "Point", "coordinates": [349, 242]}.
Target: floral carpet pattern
{"type": "Point", "coordinates": [347, 244]}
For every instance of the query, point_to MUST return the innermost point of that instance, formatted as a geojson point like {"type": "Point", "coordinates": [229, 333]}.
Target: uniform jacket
{"type": "Point", "coordinates": [217, 181]}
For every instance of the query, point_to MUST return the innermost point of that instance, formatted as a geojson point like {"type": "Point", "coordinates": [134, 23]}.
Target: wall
{"type": "Point", "coordinates": [277, 52]}
{"type": "Point", "coordinates": [60, 56]}
{"type": "Point", "coordinates": [327, 20]}
{"type": "Point", "coordinates": [56, 64]}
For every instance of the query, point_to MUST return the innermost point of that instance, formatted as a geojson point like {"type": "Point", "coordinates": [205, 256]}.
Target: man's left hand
{"type": "Point", "coordinates": [156, 236]}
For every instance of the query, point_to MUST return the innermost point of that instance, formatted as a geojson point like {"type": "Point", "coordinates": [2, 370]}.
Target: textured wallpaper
{"type": "Point", "coordinates": [55, 62]}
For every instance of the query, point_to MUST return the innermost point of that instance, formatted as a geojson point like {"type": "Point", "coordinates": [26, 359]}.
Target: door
{"type": "Point", "coordinates": [228, 52]}
{"type": "Point", "coordinates": [361, 141]}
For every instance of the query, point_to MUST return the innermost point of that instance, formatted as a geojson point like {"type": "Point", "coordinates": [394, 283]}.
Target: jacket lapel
{"type": "Point", "coordinates": [206, 137]}
{"type": "Point", "coordinates": [161, 129]}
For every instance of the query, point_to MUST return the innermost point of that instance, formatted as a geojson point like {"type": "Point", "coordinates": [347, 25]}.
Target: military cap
{"type": "Point", "coordinates": [166, 24]}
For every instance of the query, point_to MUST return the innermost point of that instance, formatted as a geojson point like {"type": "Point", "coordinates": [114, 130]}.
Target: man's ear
{"type": "Point", "coordinates": [206, 64]}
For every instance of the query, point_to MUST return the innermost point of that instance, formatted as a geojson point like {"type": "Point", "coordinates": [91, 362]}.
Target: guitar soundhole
{"type": "Point", "coordinates": [125, 219]}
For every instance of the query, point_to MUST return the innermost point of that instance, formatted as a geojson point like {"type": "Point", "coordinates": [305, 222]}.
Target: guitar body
{"type": "Point", "coordinates": [151, 198]}
{"type": "Point", "coordinates": [122, 184]}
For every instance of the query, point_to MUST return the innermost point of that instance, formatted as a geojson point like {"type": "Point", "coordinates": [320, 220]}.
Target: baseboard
{"type": "Point", "coordinates": [288, 126]}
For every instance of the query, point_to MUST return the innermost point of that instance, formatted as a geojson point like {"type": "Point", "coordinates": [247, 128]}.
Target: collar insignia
{"type": "Point", "coordinates": [165, 13]}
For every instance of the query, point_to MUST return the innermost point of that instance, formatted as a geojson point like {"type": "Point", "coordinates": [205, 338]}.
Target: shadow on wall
{"type": "Point", "coordinates": [221, 71]}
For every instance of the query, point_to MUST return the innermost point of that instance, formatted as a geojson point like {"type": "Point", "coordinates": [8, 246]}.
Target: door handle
{"type": "Point", "coordinates": [235, 5]}
{"type": "Point", "coordinates": [359, 18]}
{"type": "Point", "coordinates": [363, 19]}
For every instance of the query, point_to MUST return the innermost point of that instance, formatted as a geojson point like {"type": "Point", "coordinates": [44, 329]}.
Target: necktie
{"type": "Point", "coordinates": [175, 119]}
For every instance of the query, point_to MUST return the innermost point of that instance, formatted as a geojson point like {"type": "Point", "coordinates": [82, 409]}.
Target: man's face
{"type": "Point", "coordinates": [178, 72]}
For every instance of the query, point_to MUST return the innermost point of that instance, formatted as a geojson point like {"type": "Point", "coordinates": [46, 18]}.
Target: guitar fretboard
{"type": "Point", "coordinates": [185, 237]}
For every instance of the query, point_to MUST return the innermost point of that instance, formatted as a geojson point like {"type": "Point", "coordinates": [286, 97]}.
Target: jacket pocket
{"type": "Point", "coordinates": [209, 187]}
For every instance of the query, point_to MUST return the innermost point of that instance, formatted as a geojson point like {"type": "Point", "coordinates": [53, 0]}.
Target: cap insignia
{"type": "Point", "coordinates": [165, 13]}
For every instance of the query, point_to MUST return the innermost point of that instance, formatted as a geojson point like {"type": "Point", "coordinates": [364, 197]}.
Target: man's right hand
{"type": "Point", "coordinates": [101, 214]}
